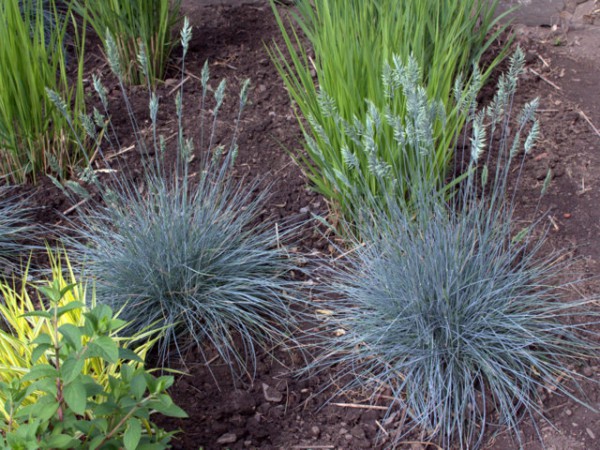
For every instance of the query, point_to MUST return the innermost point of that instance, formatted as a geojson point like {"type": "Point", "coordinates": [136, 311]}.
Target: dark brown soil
{"type": "Point", "coordinates": [276, 410]}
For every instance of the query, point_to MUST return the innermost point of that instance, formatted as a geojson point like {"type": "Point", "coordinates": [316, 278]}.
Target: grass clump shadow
{"type": "Point", "coordinates": [188, 249]}
{"type": "Point", "coordinates": [462, 317]}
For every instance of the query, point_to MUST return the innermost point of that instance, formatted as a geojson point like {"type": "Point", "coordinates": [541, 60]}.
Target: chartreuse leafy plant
{"type": "Point", "coordinates": [24, 321]}
{"type": "Point", "coordinates": [35, 137]}
{"type": "Point", "coordinates": [136, 25]}
{"type": "Point", "coordinates": [358, 43]}
{"type": "Point", "coordinates": [453, 308]}
{"type": "Point", "coordinates": [74, 410]}
{"type": "Point", "coordinates": [187, 249]}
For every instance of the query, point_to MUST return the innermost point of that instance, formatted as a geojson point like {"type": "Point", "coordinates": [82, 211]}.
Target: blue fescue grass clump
{"type": "Point", "coordinates": [192, 257]}
{"type": "Point", "coordinates": [451, 306]}
{"type": "Point", "coordinates": [16, 228]}
{"type": "Point", "coordinates": [187, 250]}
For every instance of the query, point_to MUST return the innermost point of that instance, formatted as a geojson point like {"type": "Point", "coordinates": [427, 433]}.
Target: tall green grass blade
{"type": "Point", "coordinates": [142, 31]}
{"type": "Point", "coordinates": [355, 43]}
{"type": "Point", "coordinates": [35, 135]}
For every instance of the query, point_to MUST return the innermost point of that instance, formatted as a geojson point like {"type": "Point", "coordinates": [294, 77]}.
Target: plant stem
{"type": "Point", "coordinates": [125, 419]}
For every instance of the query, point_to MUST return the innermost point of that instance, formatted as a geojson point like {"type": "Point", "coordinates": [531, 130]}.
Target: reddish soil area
{"type": "Point", "coordinates": [276, 410]}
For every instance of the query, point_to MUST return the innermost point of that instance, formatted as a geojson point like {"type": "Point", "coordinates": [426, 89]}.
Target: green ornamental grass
{"type": "Point", "coordinates": [135, 24]}
{"type": "Point", "coordinates": [188, 249]}
{"type": "Point", "coordinates": [350, 48]}
{"type": "Point", "coordinates": [35, 137]}
{"type": "Point", "coordinates": [451, 307]}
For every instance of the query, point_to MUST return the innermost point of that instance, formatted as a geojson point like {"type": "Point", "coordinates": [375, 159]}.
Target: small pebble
{"type": "Point", "coordinates": [588, 371]}
{"type": "Point", "coordinates": [227, 438]}
{"type": "Point", "coordinates": [568, 412]}
{"type": "Point", "coordinates": [567, 215]}
{"type": "Point", "coordinates": [343, 431]}
{"type": "Point", "coordinates": [271, 394]}
{"type": "Point", "coordinates": [316, 431]}
{"type": "Point", "coordinates": [304, 210]}
{"type": "Point", "coordinates": [358, 432]}
{"type": "Point", "coordinates": [590, 433]}
{"type": "Point", "coordinates": [348, 437]}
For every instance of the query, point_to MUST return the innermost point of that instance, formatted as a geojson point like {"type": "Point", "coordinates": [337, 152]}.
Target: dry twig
{"type": "Point", "coordinates": [312, 446]}
{"type": "Point", "coordinates": [181, 83]}
{"type": "Point", "coordinates": [357, 406]}
{"type": "Point", "coordinates": [74, 207]}
{"type": "Point", "coordinates": [587, 119]}
{"type": "Point", "coordinates": [543, 78]}
{"type": "Point", "coordinates": [421, 443]}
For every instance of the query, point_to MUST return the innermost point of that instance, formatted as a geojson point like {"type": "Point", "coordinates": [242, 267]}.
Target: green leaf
{"type": "Point", "coordinates": [106, 408]}
{"type": "Point", "coordinates": [104, 347]}
{"type": "Point", "coordinates": [91, 323]}
{"type": "Point", "coordinates": [70, 307]}
{"type": "Point", "coordinates": [100, 424]}
{"type": "Point", "coordinates": [117, 323]}
{"type": "Point", "coordinates": [91, 386]}
{"type": "Point", "coordinates": [66, 289]}
{"type": "Point", "coordinates": [76, 397]}
{"type": "Point", "coordinates": [165, 382]}
{"type": "Point", "coordinates": [40, 371]}
{"type": "Point", "coordinates": [128, 354]}
{"type": "Point", "coordinates": [138, 386]}
{"type": "Point", "coordinates": [174, 411]}
{"type": "Point", "coordinates": [62, 441]}
{"type": "Point", "coordinates": [95, 443]}
{"type": "Point", "coordinates": [71, 367]}
{"type": "Point", "coordinates": [42, 339]}
{"type": "Point", "coordinates": [72, 335]}
{"type": "Point", "coordinates": [51, 292]}
{"type": "Point", "coordinates": [44, 410]}
{"type": "Point", "coordinates": [102, 312]}
{"type": "Point", "coordinates": [39, 351]}
{"type": "Point", "coordinates": [45, 385]}
{"type": "Point", "coordinates": [127, 372]}
{"type": "Point", "coordinates": [133, 434]}
{"type": "Point", "coordinates": [165, 406]}
{"type": "Point", "coordinates": [44, 314]}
